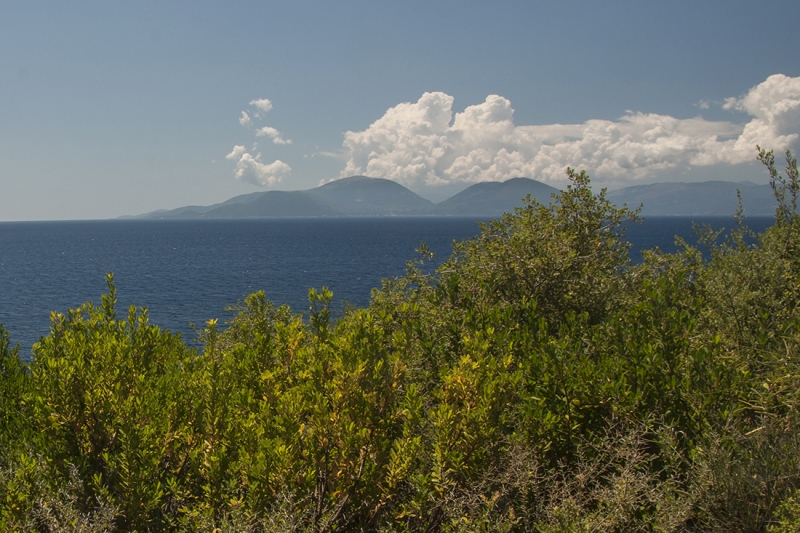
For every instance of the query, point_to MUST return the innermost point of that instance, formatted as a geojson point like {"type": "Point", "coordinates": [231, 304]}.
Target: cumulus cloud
{"type": "Point", "coordinates": [273, 134]}
{"type": "Point", "coordinates": [251, 169]}
{"type": "Point", "coordinates": [775, 106]}
{"type": "Point", "coordinates": [236, 153]}
{"type": "Point", "coordinates": [262, 104]}
{"type": "Point", "coordinates": [423, 143]}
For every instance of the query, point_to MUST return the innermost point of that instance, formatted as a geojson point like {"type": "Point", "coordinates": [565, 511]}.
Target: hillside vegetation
{"type": "Point", "coordinates": [533, 381]}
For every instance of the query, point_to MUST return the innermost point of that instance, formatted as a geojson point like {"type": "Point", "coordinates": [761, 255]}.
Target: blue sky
{"type": "Point", "coordinates": [111, 108]}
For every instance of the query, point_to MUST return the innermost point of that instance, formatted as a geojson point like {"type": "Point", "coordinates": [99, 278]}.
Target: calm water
{"type": "Point", "coordinates": [188, 271]}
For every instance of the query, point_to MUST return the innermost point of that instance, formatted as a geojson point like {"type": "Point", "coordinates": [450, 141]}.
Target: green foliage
{"type": "Point", "coordinates": [566, 257]}
{"type": "Point", "coordinates": [14, 384]}
{"type": "Point", "coordinates": [110, 400]}
{"type": "Point", "coordinates": [788, 515]}
{"type": "Point", "coordinates": [534, 381]}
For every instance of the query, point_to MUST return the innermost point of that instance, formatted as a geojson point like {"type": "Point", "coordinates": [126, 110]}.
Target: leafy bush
{"type": "Point", "coordinates": [535, 381]}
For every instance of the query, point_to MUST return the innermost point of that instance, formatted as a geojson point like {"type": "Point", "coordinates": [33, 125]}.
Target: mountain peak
{"type": "Point", "coordinates": [493, 198]}
{"type": "Point", "coordinates": [365, 196]}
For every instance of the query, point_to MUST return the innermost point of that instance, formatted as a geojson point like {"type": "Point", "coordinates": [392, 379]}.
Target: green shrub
{"type": "Point", "coordinates": [535, 381]}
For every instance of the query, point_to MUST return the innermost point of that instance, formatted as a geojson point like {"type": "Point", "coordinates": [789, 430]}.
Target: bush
{"type": "Point", "coordinates": [535, 381]}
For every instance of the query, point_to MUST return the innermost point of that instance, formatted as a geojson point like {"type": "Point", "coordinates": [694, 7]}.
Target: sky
{"type": "Point", "coordinates": [121, 108]}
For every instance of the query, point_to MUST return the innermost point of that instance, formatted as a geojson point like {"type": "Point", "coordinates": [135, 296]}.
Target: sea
{"type": "Point", "coordinates": [186, 272]}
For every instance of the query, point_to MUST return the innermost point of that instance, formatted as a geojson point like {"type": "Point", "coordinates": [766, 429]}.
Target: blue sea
{"type": "Point", "coordinates": [188, 271]}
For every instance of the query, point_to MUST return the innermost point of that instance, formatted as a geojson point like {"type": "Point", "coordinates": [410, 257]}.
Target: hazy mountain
{"type": "Point", "coordinates": [274, 204]}
{"type": "Point", "coordinates": [199, 211]}
{"type": "Point", "coordinates": [359, 195]}
{"type": "Point", "coordinates": [709, 198]}
{"type": "Point", "coordinates": [492, 198]}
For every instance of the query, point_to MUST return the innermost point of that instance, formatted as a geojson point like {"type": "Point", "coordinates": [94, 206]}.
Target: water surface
{"type": "Point", "coordinates": [188, 271]}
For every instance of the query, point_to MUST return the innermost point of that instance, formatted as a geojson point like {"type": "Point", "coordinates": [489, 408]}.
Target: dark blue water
{"type": "Point", "coordinates": [661, 232]}
{"type": "Point", "coordinates": [188, 271]}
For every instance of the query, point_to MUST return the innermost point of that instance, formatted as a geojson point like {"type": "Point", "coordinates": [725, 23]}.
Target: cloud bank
{"type": "Point", "coordinates": [251, 168]}
{"type": "Point", "coordinates": [423, 143]}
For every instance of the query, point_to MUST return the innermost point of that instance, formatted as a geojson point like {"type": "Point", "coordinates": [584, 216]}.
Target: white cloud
{"type": "Point", "coordinates": [251, 169]}
{"type": "Point", "coordinates": [236, 153]}
{"type": "Point", "coordinates": [775, 106]}
{"type": "Point", "coordinates": [273, 134]}
{"type": "Point", "coordinates": [333, 155]}
{"type": "Point", "coordinates": [262, 104]}
{"type": "Point", "coordinates": [424, 143]}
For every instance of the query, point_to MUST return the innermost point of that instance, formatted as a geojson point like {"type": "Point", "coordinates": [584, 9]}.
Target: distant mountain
{"type": "Point", "coordinates": [492, 198]}
{"type": "Point", "coordinates": [707, 198]}
{"type": "Point", "coordinates": [362, 196]}
{"type": "Point", "coordinates": [197, 211]}
{"type": "Point", "coordinates": [274, 204]}
{"type": "Point", "coordinates": [357, 195]}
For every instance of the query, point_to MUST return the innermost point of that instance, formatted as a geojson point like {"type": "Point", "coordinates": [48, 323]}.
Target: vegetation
{"type": "Point", "coordinates": [534, 381]}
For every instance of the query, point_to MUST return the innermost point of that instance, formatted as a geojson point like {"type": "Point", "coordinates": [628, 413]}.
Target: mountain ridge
{"type": "Point", "coordinates": [364, 196]}
{"type": "Point", "coordinates": [703, 198]}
